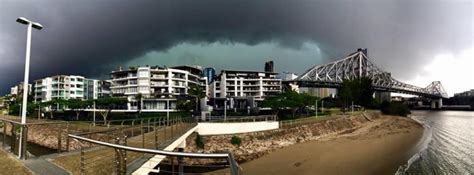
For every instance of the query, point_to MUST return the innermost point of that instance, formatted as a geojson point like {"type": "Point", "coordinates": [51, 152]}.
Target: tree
{"type": "Point", "coordinates": [184, 105]}
{"type": "Point", "coordinates": [308, 100]}
{"type": "Point", "coordinates": [107, 104]}
{"type": "Point", "coordinates": [16, 108]}
{"type": "Point", "coordinates": [358, 90]}
{"type": "Point", "coordinates": [54, 103]}
{"type": "Point", "coordinates": [273, 102]}
{"type": "Point", "coordinates": [77, 105]}
{"type": "Point", "coordinates": [197, 92]}
{"type": "Point", "coordinates": [366, 91]}
{"type": "Point", "coordinates": [139, 97]}
{"type": "Point", "coordinates": [292, 100]}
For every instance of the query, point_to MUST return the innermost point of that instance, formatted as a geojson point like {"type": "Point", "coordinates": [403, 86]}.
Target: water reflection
{"type": "Point", "coordinates": [451, 149]}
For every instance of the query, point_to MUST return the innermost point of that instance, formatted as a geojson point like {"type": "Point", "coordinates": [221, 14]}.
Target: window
{"type": "Point", "coordinates": [143, 73]}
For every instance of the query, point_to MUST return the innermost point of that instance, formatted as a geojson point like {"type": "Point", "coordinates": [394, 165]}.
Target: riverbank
{"type": "Point", "coordinates": [379, 147]}
{"type": "Point", "coordinates": [369, 143]}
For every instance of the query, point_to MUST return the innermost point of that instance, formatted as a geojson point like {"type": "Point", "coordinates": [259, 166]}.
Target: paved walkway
{"type": "Point", "coordinates": [42, 166]}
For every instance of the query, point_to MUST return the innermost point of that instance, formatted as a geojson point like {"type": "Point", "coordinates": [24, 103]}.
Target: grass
{"type": "Point", "coordinates": [9, 165]}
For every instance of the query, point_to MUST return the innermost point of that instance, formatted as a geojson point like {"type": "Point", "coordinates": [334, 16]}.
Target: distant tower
{"type": "Point", "coordinates": [269, 66]}
{"type": "Point", "coordinates": [209, 72]}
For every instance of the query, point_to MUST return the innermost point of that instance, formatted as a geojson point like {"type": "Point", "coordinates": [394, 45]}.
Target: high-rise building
{"type": "Point", "coordinates": [160, 87]}
{"type": "Point", "coordinates": [209, 73]}
{"type": "Point", "coordinates": [245, 88]}
{"type": "Point", "coordinates": [269, 66]}
{"type": "Point", "coordinates": [66, 87]}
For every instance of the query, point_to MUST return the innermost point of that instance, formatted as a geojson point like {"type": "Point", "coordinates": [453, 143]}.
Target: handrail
{"type": "Point", "coordinates": [241, 118]}
{"type": "Point", "coordinates": [153, 151]}
{"type": "Point", "coordinates": [34, 123]}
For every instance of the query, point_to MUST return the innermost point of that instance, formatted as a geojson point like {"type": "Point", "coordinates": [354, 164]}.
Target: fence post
{"type": "Point", "coordinates": [59, 139]}
{"type": "Point", "coordinates": [4, 133]}
{"type": "Point", "coordinates": [143, 133]}
{"type": "Point", "coordinates": [82, 161]}
{"type": "Point", "coordinates": [13, 138]}
{"type": "Point", "coordinates": [133, 124]}
{"type": "Point", "coordinates": [24, 139]}
{"type": "Point", "coordinates": [180, 162]}
{"type": "Point", "coordinates": [124, 155]}
{"type": "Point", "coordinates": [156, 134]}
{"type": "Point", "coordinates": [67, 137]}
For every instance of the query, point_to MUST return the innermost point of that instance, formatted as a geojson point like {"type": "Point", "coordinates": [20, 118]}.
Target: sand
{"type": "Point", "coordinates": [378, 147]}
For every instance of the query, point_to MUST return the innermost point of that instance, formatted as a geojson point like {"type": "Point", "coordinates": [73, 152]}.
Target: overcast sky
{"type": "Point", "coordinates": [418, 41]}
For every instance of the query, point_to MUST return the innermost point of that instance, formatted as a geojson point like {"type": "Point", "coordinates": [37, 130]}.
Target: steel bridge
{"type": "Point", "coordinates": [358, 65]}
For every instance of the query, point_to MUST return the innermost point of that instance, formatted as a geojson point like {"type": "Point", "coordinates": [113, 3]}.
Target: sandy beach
{"type": "Point", "coordinates": [377, 147]}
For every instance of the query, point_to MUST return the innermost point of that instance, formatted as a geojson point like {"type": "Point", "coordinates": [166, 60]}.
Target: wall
{"type": "Point", "coordinates": [234, 128]}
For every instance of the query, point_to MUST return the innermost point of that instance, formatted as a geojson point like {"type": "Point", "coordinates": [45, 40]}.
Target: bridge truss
{"type": "Point", "coordinates": [358, 65]}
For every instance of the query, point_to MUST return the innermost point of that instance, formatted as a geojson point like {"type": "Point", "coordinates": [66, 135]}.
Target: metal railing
{"type": "Point", "coordinates": [11, 134]}
{"type": "Point", "coordinates": [301, 121]}
{"type": "Point", "coordinates": [120, 150]}
{"type": "Point", "coordinates": [233, 119]}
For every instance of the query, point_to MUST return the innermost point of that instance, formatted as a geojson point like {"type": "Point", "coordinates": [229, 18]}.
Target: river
{"type": "Point", "coordinates": [450, 149]}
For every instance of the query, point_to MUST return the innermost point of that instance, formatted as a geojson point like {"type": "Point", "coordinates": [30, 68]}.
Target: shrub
{"type": "Point", "coordinates": [235, 140]}
{"type": "Point", "coordinates": [199, 141]}
{"type": "Point", "coordinates": [394, 108]}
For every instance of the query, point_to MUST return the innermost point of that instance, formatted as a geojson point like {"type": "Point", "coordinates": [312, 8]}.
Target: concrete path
{"type": "Point", "coordinates": [42, 166]}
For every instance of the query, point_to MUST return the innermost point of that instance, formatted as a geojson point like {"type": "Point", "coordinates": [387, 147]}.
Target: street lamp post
{"type": "Point", "coordinates": [225, 109]}
{"type": "Point", "coordinates": [31, 25]}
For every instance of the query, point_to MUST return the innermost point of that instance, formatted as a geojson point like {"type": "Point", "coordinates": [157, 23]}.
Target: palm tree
{"type": "Point", "coordinates": [197, 92]}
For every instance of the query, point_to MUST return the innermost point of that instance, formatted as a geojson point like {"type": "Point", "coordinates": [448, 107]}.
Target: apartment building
{"type": "Point", "coordinates": [160, 87]}
{"type": "Point", "coordinates": [17, 90]}
{"type": "Point", "coordinates": [243, 89]}
{"type": "Point", "coordinates": [469, 93]}
{"type": "Point", "coordinates": [67, 87]}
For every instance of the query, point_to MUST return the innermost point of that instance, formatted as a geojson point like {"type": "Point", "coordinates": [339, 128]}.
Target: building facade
{"type": "Point", "coordinates": [155, 89]}
{"type": "Point", "coordinates": [269, 66]}
{"type": "Point", "coordinates": [469, 93]}
{"type": "Point", "coordinates": [17, 90]}
{"type": "Point", "coordinates": [319, 92]}
{"type": "Point", "coordinates": [67, 87]}
{"type": "Point", "coordinates": [288, 76]}
{"type": "Point", "coordinates": [243, 89]}
{"type": "Point", "coordinates": [209, 73]}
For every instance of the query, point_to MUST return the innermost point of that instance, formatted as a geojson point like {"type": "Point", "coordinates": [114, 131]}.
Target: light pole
{"type": "Point", "coordinates": [31, 25]}
{"type": "Point", "coordinates": [316, 108]}
{"type": "Point", "coordinates": [93, 113]}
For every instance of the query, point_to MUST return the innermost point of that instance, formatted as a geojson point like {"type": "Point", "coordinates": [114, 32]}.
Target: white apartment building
{"type": "Point", "coordinates": [67, 87]}
{"type": "Point", "coordinates": [159, 86]}
{"type": "Point", "coordinates": [18, 89]}
{"type": "Point", "coordinates": [243, 89]}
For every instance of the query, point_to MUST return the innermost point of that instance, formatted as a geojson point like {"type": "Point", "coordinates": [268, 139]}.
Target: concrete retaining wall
{"type": "Point", "coordinates": [235, 128]}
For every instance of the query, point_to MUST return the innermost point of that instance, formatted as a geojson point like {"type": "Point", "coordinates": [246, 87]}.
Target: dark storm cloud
{"type": "Point", "coordinates": [92, 37]}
